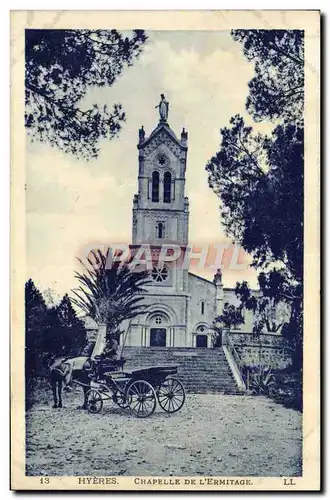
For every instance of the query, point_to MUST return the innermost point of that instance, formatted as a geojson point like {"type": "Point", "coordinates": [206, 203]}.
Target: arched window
{"type": "Point", "coordinates": [202, 307]}
{"type": "Point", "coordinates": [155, 186]}
{"type": "Point", "coordinates": [160, 229]}
{"type": "Point", "coordinates": [167, 187]}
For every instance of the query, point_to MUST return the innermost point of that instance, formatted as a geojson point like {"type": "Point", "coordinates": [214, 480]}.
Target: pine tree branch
{"type": "Point", "coordinates": [286, 54]}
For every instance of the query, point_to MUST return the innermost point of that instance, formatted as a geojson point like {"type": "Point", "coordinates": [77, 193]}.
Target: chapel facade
{"type": "Point", "coordinates": [181, 306]}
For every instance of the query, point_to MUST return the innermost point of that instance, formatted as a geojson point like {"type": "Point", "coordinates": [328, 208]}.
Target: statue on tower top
{"type": "Point", "coordinates": [163, 107]}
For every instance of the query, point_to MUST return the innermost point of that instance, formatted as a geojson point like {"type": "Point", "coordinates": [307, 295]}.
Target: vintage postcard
{"type": "Point", "coordinates": [165, 330]}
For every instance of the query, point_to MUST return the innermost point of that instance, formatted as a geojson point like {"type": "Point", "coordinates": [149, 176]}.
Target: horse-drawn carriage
{"type": "Point", "coordinates": [139, 389]}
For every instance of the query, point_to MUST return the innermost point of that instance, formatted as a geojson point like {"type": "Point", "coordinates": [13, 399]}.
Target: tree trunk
{"type": "Point", "coordinates": [100, 341]}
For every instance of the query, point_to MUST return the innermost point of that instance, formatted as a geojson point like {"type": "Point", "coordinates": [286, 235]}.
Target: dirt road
{"type": "Point", "coordinates": [212, 435]}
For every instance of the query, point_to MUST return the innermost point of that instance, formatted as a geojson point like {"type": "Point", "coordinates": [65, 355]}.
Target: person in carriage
{"type": "Point", "coordinates": [107, 361]}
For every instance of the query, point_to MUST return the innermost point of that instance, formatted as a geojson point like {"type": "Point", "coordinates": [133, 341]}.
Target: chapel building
{"type": "Point", "coordinates": [181, 305]}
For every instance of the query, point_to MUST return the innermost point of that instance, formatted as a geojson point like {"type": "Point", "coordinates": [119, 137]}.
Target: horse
{"type": "Point", "coordinates": [58, 373]}
{"type": "Point", "coordinates": [64, 371]}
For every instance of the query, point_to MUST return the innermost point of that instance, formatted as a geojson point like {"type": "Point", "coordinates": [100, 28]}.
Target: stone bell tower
{"type": "Point", "coordinates": [180, 306]}
{"type": "Point", "coordinates": [160, 209]}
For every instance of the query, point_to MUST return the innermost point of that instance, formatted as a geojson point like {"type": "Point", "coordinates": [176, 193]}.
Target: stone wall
{"type": "Point", "coordinates": [267, 349]}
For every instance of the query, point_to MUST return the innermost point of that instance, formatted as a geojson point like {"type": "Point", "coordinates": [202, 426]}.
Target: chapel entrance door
{"type": "Point", "coordinates": [158, 337]}
{"type": "Point", "coordinates": [201, 340]}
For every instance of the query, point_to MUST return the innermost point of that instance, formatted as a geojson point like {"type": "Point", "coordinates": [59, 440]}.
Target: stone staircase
{"type": "Point", "coordinates": [200, 370]}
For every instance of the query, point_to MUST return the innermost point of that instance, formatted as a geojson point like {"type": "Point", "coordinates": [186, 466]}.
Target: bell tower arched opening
{"type": "Point", "coordinates": [155, 186]}
{"type": "Point", "coordinates": [167, 187]}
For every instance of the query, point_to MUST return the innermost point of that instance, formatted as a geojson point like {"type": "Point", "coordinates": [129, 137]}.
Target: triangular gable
{"type": "Point", "coordinates": [167, 129]}
{"type": "Point", "coordinates": [161, 129]}
{"type": "Point", "coordinates": [162, 135]}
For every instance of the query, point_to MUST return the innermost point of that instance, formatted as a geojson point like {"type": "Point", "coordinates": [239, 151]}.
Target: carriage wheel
{"type": "Point", "coordinates": [120, 400]}
{"type": "Point", "coordinates": [141, 398]}
{"type": "Point", "coordinates": [171, 395]}
{"type": "Point", "coordinates": [94, 401]}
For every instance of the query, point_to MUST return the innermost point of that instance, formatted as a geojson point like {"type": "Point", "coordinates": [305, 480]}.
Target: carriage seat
{"type": "Point", "coordinates": [104, 365]}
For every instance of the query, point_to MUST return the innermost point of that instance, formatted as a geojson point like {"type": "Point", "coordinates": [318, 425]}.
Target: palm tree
{"type": "Point", "coordinates": [109, 294]}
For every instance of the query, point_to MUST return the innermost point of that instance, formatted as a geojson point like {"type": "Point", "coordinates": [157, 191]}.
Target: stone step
{"type": "Point", "coordinates": [200, 370]}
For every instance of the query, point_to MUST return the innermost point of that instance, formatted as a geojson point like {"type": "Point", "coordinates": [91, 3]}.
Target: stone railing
{"type": "Point", "coordinates": [234, 360]}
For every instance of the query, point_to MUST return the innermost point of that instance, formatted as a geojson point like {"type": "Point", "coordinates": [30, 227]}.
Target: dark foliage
{"type": "Point", "coordinates": [293, 331]}
{"type": "Point", "coordinates": [277, 89]}
{"type": "Point", "coordinates": [259, 180]}
{"type": "Point", "coordinates": [231, 316]}
{"type": "Point", "coordinates": [289, 388]}
{"type": "Point", "coordinates": [65, 334]}
{"type": "Point", "coordinates": [283, 386]}
{"type": "Point", "coordinates": [274, 290]}
{"type": "Point", "coordinates": [48, 332]}
{"type": "Point", "coordinates": [35, 313]}
{"type": "Point", "coordinates": [260, 185]}
{"type": "Point", "coordinates": [60, 66]}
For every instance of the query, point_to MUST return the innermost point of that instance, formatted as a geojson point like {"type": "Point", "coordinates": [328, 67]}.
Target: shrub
{"type": "Point", "coordinates": [262, 380]}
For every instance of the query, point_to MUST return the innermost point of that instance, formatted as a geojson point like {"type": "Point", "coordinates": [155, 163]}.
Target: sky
{"type": "Point", "coordinates": [72, 203]}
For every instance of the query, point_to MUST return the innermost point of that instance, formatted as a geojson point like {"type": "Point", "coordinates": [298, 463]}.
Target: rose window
{"type": "Point", "coordinates": [159, 274]}
{"type": "Point", "coordinates": [162, 160]}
